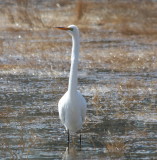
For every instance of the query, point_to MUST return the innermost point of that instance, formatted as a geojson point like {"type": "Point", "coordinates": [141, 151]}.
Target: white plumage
{"type": "Point", "coordinates": [72, 111]}
{"type": "Point", "coordinates": [72, 106]}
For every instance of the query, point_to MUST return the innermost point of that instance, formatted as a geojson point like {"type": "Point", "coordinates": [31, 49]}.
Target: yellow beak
{"type": "Point", "coordinates": [63, 28]}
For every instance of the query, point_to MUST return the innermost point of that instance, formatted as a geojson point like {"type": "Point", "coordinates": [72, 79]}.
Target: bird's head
{"type": "Point", "coordinates": [72, 29]}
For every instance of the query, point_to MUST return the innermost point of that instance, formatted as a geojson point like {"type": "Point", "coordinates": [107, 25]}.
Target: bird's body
{"type": "Point", "coordinates": [72, 111]}
{"type": "Point", "coordinates": [72, 106]}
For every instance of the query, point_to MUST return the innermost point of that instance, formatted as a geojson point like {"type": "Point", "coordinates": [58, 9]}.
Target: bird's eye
{"type": "Point", "coordinates": [71, 29]}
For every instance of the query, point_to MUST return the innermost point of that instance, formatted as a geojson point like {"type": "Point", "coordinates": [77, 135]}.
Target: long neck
{"type": "Point", "coordinates": [72, 88]}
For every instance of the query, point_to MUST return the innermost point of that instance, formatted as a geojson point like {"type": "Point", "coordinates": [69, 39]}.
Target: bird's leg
{"type": "Point", "coordinates": [68, 138]}
{"type": "Point", "coordinates": [80, 139]}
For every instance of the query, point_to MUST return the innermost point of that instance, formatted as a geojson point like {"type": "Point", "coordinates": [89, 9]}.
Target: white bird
{"type": "Point", "coordinates": [72, 106]}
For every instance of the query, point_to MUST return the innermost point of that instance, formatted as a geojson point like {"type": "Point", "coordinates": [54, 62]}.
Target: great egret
{"type": "Point", "coordinates": [72, 106]}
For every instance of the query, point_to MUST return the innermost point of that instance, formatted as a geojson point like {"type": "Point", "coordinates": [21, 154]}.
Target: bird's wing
{"type": "Point", "coordinates": [61, 109]}
{"type": "Point", "coordinates": [83, 107]}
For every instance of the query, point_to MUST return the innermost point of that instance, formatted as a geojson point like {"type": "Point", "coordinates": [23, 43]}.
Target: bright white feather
{"type": "Point", "coordinates": [72, 111]}
{"type": "Point", "coordinates": [72, 106]}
